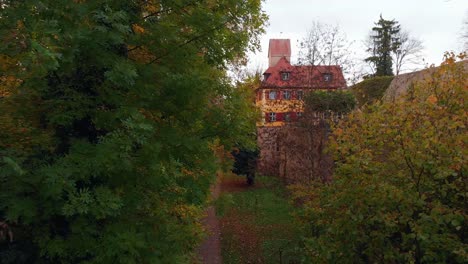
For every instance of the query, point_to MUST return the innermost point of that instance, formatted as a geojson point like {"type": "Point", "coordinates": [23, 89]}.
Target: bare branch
{"type": "Point", "coordinates": [326, 44]}
{"type": "Point", "coordinates": [409, 51]}
{"type": "Point", "coordinates": [464, 33]}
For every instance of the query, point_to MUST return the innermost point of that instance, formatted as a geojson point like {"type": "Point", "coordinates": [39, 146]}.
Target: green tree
{"type": "Point", "coordinates": [125, 103]}
{"type": "Point", "coordinates": [384, 41]}
{"type": "Point", "coordinates": [399, 193]}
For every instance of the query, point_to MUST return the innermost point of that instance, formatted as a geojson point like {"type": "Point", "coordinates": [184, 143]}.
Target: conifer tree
{"type": "Point", "coordinates": [384, 41]}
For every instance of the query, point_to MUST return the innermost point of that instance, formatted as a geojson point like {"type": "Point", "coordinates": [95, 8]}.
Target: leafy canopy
{"type": "Point", "coordinates": [399, 190]}
{"type": "Point", "coordinates": [110, 115]}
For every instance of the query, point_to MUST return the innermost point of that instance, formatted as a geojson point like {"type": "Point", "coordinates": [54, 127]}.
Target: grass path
{"type": "Point", "coordinates": [256, 222]}
{"type": "Point", "coordinates": [209, 251]}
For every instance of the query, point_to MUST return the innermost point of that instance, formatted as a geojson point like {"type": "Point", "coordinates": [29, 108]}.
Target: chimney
{"type": "Point", "coordinates": [277, 49]}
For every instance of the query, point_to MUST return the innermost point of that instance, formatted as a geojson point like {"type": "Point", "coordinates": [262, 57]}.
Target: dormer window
{"type": "Point", "coordinates": [327, 77]}
{"type": "Point", "coordinates": [265, 76]}
{"type": "Point", "coordinates": [285, 76]}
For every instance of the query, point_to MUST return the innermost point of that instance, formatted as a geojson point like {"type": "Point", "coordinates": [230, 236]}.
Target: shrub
{"type": "Point", "coordinates": [335, 101]}
{"type": "Point", "coordinates": [371, 90]}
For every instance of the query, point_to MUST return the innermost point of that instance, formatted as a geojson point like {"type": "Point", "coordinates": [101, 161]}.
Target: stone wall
{"type": "Point", "coordinates": [301, 153]}
{"type": "Point", "coordinates": [295, 152]}
{"type": "Point", "coordinates": [401, 83]}
{"type": "Point", "coordinates": [268, 161]}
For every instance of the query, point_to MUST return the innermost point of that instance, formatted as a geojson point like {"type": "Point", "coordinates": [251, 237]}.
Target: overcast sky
{"type": "Point", "coordinates": [438, 23]}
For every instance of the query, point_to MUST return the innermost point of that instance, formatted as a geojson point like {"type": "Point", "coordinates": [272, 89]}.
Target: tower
{"type": "Point", "coordinates": [277, 49]}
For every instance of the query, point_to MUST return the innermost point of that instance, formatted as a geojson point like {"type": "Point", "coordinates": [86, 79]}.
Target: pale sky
{"type": "Point", "coordinates": [438, 23]}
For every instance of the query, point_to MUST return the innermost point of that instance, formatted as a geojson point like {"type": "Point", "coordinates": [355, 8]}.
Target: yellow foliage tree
{"type": "Point", "coordinates": [400, 189]}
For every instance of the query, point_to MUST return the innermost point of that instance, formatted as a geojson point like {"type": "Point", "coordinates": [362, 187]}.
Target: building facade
{"type": "Point", "coordinates": [280, 98]}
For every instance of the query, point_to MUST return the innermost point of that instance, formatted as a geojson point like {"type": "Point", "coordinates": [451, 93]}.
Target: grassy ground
{"type": "Point", "coordinates": [256, 222]}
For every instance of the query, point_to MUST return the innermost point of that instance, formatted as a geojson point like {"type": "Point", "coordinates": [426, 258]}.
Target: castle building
{"type": "Point", "coordinates": [280, 97]}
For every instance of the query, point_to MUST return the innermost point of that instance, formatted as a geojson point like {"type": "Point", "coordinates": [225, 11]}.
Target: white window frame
{"type": "Point", "coordinates": [284, 76]}
{"type": "Point", "coordinates": [287, 95]}
{"type": "Point", "coordinates": [274, 93]}
{"type": "Point", "coordinates": [272, 116]}
{"type": "Point", "coordinates": [327, 77]}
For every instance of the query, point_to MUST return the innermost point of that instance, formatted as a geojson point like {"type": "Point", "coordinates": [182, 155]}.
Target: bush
{"type": "Point", "coordinates": [334, 101]}
{"type": "Point", "coordinates": [371, 90]}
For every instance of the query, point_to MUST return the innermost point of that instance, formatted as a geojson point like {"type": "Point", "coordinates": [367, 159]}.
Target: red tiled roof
{"type": "Point", "coordinates": [303, 76]}
{"type": "Point", "coordinates": [279, 48]}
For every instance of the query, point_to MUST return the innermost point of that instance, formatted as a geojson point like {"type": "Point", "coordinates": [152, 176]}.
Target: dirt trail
{"type": "Point", "coordinates": [209, 251]}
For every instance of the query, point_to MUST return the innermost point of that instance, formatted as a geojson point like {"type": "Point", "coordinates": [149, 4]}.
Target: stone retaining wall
{"type": "Point", "coordinates": [268, 162]}
{"type": "Point", "coordinates": [295, 152]}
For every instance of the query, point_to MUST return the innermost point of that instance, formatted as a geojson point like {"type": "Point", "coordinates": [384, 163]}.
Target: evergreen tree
{"type": "Point", "coordinates": [113, 111]}
{"type": "Point", "coordinates": [384, 41]}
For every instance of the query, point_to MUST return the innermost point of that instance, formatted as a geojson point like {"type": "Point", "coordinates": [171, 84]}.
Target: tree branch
{"type": "Point", "coordinates": [188, 42]}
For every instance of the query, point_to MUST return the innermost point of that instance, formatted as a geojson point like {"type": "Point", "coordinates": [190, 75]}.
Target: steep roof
{"type": "Point", "coordinates": [303, 76]}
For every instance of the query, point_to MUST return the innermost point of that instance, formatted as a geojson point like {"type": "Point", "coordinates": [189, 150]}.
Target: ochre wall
{"type": "Point", "coordinates": [279, 105]}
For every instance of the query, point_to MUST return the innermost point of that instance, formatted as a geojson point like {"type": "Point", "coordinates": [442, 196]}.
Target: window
{"type": "Point", "coordinates": [285, 76]}
{"type": "Point", "coordinates": [287, 95]}
{"type": "Point", "coordinates": [327, 77]}
{"type": "Point", "coordinates": [272, 95]}
{"type": "Point", "coordinates": [272, 117]}
{"type": "Point", "coordinates": [265, 76]}
{"type": "Point", "coordinates": [287, 117]}
{"type": "Point", "coordinates": [300, 95]}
